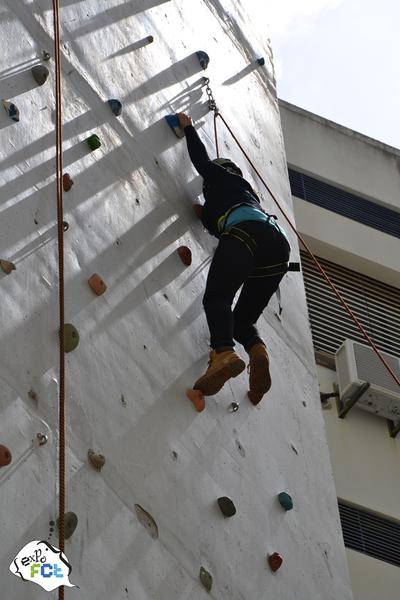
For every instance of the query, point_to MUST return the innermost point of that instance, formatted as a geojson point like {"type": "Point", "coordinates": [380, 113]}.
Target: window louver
{"type": "Point", "coordinates": [370, 534]}
{"type": "Point", "coordinates": [375, 304]}
{"type": "Point", "coordinates": [344, 203]}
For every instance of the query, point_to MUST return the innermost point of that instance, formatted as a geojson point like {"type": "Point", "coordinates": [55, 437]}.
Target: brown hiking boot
{"type": "Point", "coordinates": [260, 378]}
{"type": "Point", "coordinates": [221, 367]}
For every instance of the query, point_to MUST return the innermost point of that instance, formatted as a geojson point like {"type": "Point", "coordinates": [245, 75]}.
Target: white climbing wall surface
{"type": "Point", "coordinates": [145, 339]}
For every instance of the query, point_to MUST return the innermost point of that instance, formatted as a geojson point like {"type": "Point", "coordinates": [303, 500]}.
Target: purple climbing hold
{"type": "Point", "coordinates": [115, 106]}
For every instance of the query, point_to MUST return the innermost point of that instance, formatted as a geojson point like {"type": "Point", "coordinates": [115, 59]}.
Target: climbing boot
{"type": "Point", "coordinates": [259, 375]}
{"type": "Point", "coordinates": [221, 367]}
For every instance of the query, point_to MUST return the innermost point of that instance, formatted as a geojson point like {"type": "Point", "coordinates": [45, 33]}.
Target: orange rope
{"type": "Point", "coordinates": [60, 230]}
{"type": "Point", "coordinates": [318, 265]}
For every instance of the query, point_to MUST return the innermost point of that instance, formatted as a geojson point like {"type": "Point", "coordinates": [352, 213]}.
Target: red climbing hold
{"type": "Point", "coordinates": [198, 210]}
{"type": "Point", "coordinates": [185, 255]}
{"type": "Point", "coordinates": [97, 284]}
{"type": "Point", "coordinates": [275, 561]}
{"type": "Point", "coordinates": [67, 182]}
{"type": "Point", "coordinates": [5, 456]}
{"type": "Point", "coordinates": [197, 399]}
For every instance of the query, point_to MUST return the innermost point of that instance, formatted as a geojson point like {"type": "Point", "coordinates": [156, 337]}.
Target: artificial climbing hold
{"type": "Point", "coordinates": [93, 141]}
{"type": "Point", "coordinates": [40, 74]}
{"type": "Point", "coordinates": [206, 579]}
{"type": "Point", "coordinates": [116, 106]}
{"type": "Point", "coordinates": [42, 438]}
{"type": "Point", "coordinates": [261, 61]}
{"type": "Point", "coordinates": [45, 55]}
{"type": "Point", "coordinates": [70, 524]}
{"type": "Point", "coordinates": [65, 225]}
{"type": "Point", "coordinates": [173, 122]}
{"type": "Point", "coordinates": [11, 110]}
{"type": "Point", "coordinates": [233, 407]}
{"type": "Point", "coordinates": [71, 337]}
{"type": "Point", "coordinates": [198, 210]}
{"type": "Point", "coordinates": [5, 456]}
{"type": "Point", "coordinates": [197, 399]}
{"type": "Point", "coordinates": [185, 255]}
{"type": "Point", "coordinates": [226, 506]}
{"type": "Point", "coordinates": [275, 561]}
{"type": "Point", "coordinates": [96, 460]}
{"type": "Point", "coordinates": [7, 266]}
{"type": "Point", "coordinates": [97, 284]}
{"type": "Point", "coordinates": [150, 39]}
{"type": "Point", "coordinates": [147, 521]}
{"type": "Point", "coordinates": [67, 182]}
{"type": "Point", "coordinates": [204, 59]}
{"type": "Point", "coordinates": [285, 500]}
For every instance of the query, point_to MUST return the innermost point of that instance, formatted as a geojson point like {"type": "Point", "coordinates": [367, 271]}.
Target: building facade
{"type": "Point", "coordinates": [345, 189]}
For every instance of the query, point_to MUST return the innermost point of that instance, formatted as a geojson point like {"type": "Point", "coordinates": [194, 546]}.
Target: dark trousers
{"type": "Point", "coordinates": [234, 265]}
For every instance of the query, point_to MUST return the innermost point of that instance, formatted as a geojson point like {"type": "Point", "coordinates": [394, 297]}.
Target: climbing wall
{"type": "Point", "coordinates": [149, 523]}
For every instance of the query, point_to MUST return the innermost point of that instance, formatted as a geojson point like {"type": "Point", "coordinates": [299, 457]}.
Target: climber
{"type": "Point", "coordinates": [253, 251]}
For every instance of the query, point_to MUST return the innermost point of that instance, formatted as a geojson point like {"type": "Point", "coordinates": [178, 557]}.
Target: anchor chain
{"type": "Point", "coordinates": [212, 105]}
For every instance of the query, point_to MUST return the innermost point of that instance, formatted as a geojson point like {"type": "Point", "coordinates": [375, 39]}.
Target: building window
{"type": "Point", "coordinates": [344, 203]}
{"type": "Point", "coordinates": [375, 304]}
{"type": "Point", "coordinates": [370, 534]}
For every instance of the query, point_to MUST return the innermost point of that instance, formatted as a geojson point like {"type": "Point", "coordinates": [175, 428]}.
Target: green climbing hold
{"type": "Point", "coordinates": [206, 579]}
{"type": "Point", "coordinates": [94, 142]}
{"type": "Point", "coordinates": [285, 500]}
{"type": "Point", "coordinates": [71, 337]}
{"type": "Point", "coordinates": [40, 74]}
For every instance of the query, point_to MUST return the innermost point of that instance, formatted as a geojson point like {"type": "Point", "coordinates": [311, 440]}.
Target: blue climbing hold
{"type": "Point", "coordinates": [173, 122]}
{"type": "Point", "coordinates": [204, 59]}
{"type": "Point", "coordinates": [261, 61]}
{"type": "Point", "coordinates": [115, 106]}
{"type": "Point", "coordinates": [285, 500]}
{"type": "Point", "coordinates": [11, 110]}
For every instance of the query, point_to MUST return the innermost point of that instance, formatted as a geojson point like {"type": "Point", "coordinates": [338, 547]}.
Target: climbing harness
{"type": "Point", "coordinates": [213, 106]}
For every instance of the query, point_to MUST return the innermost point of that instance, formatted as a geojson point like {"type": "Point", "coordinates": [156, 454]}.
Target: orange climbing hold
{"type": "Point", "coordinates": [197, 399]}
{"type": "Point", "coordinates": [185, 255]}
{"type": "Point", "coordinates": [5, 456]}
{"type": "Point", "coordinates": [97, 284]}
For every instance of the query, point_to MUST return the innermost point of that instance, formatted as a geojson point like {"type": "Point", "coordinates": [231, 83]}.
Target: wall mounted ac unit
{"type": "Point", "coordinates": [357, 364]}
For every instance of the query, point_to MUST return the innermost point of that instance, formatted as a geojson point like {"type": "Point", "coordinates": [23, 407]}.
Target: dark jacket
{"type": "Point", "coordinates": [222, 190]}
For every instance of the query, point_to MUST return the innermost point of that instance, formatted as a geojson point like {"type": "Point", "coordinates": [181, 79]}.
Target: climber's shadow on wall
{"type": "Point", "coordinates": [178, 71]}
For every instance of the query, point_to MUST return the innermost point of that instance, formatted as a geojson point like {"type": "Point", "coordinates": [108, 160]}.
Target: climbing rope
{"type": "Point", "coordinates": [60, 230]}
{"type": "Point", "coordinates": [213, 106]}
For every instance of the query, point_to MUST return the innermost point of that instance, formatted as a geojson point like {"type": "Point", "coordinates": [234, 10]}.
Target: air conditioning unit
{"type": "Point", "coordinates": [357, 364]}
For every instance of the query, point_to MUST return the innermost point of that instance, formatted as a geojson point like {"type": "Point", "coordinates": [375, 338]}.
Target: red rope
{"type": "Point", "coordinates": [60, 230]}
{"type": "Point", "coordinates": [314, 259]}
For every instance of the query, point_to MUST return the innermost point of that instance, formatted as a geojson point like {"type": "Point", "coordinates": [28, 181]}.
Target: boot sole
{"type": "Point", "coordinates": [260, 377]}
{"type": "Point", "coordinates": [211, 384]}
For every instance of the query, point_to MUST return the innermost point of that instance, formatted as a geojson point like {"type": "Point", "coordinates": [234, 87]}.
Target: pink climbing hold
{"type": "Point", "coordinates": [185, 255]}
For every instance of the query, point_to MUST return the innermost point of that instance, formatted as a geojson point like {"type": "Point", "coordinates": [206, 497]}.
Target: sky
{"type": "Point", "coordinates": [340, 59]}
